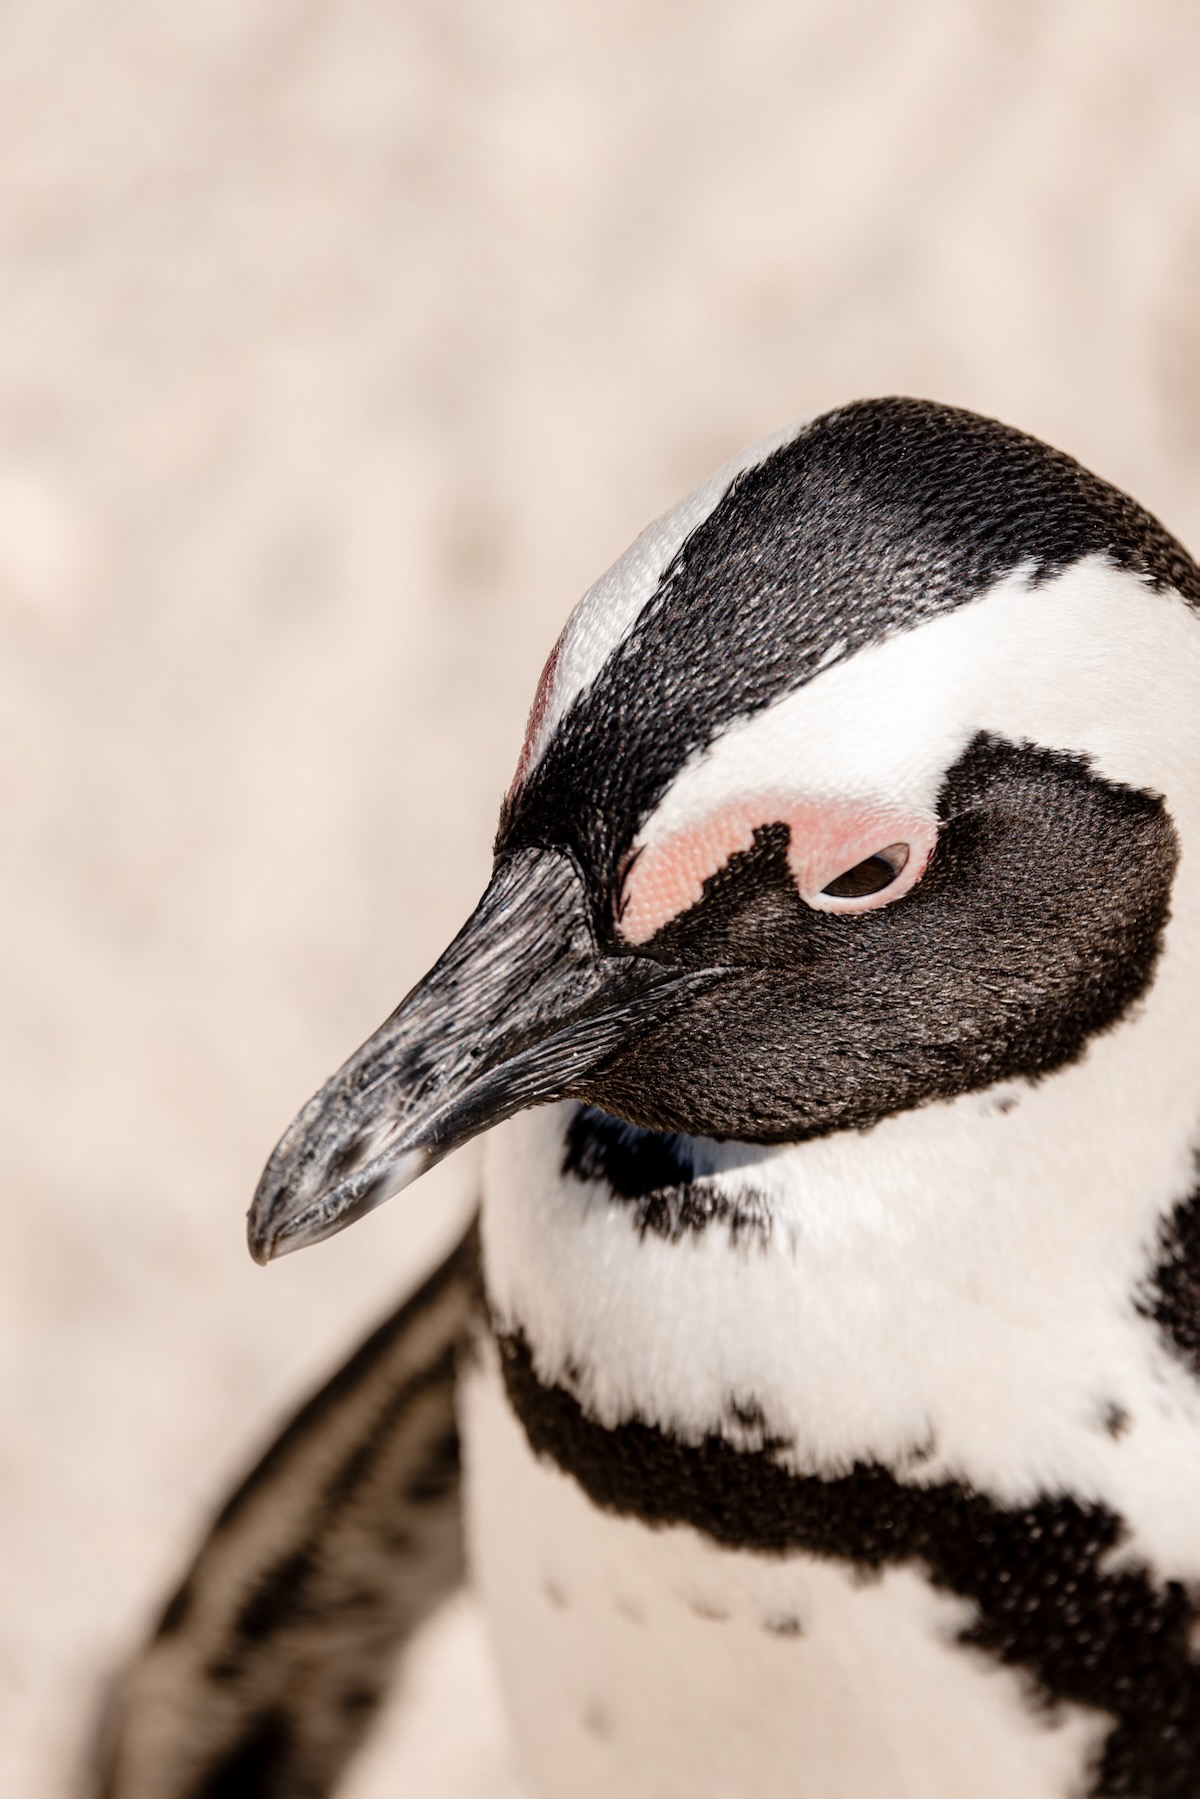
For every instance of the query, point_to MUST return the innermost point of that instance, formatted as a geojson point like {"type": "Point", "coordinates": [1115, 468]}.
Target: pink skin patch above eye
{"type": "Point", "coordinates": [827, 838]}
{"type": "Point", "coordinates": [537, 712]}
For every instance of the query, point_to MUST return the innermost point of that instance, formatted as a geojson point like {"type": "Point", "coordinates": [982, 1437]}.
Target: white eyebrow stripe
{"type": "Point", "coordinates": [885, 724]}
{"type": "Point", "coordinates": [610, 608]}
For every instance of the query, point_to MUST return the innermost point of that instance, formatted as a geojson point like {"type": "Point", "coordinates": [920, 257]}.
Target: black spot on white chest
{"type": "Point", "coordinates": [1172, 1295]}
{"type": "Point", "coordinates": [665, 1179]}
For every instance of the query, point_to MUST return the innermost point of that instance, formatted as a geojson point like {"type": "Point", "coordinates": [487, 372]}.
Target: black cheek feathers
{"type": "Point", "coordinates": [1037, 926]}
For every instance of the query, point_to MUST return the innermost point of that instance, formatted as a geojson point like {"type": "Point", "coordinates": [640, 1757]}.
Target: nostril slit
{"type": "Point", "coordinates": [347, 1159]}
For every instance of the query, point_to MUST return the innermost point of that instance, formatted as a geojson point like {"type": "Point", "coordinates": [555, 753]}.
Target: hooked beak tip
{"type": "Point", "coordinates": [260, 1244]}
{"type": "Point", "coordinates": [280, 1223]}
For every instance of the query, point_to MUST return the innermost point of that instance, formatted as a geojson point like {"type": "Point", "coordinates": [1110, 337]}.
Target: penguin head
{"type": "Point", "coordinates": [859, 783]}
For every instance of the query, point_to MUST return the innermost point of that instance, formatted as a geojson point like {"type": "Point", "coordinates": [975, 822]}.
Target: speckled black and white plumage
{"type": "Point", "coordinates": [834, 1421]}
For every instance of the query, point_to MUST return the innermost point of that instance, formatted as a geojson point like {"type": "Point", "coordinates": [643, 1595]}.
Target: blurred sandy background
{"type": "Point", "coordinates": [342, 342]}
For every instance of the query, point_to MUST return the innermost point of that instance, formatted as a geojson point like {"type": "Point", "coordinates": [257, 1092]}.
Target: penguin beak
{"type": "Point", "coordinates": [520, 1009]}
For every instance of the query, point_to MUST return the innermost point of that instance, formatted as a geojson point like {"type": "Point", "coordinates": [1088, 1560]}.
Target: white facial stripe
{"type": "Point", "coordinates": [610, 608]}
{"type": "Point", "coordinates": [1076, 664]}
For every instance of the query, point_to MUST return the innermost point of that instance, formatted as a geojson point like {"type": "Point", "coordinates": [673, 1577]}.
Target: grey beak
{"type": "Point", "coordinates": [520, 1009]}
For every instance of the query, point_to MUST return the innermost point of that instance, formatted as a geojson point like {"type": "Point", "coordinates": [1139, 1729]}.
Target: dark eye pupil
{"type": "Point", "coordinates": [870, 875]}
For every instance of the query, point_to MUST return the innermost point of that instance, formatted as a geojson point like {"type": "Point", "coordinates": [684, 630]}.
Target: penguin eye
{"type": "Point", "coordinates": [866, 882]}
{"type": "Point", "coordinates": [871, 875]}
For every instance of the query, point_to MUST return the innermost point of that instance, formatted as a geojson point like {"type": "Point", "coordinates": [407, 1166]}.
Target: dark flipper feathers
{"type": "Point", "coordinates": [269, 1662]}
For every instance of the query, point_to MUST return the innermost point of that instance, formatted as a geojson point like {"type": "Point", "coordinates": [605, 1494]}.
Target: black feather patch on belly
{"type": "Point", "coordinates": [1047, 1602]}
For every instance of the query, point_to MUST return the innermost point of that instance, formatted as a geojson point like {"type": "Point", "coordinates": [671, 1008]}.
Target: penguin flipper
{"type": "Point", "coordinates": [269, 1662]}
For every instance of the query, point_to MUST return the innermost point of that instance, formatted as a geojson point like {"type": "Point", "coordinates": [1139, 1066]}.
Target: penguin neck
{"type": "Point", "coordinates": [960, 1292]}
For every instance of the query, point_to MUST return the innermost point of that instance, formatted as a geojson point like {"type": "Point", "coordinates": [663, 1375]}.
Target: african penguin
{"type": "Point", "coordinates": [829, 1343]}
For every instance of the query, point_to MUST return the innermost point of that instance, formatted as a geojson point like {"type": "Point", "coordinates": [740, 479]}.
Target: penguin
{"type": "Point", "coordinates": [817, 1394]}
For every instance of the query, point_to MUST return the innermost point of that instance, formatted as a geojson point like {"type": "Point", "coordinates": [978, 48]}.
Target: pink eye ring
{"type": "Point", "coordinates": [871, 861]}
{"type": "Point", "coordinates": [844, 856]}
{"type": "Point", "coordinates": [876, 880]}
